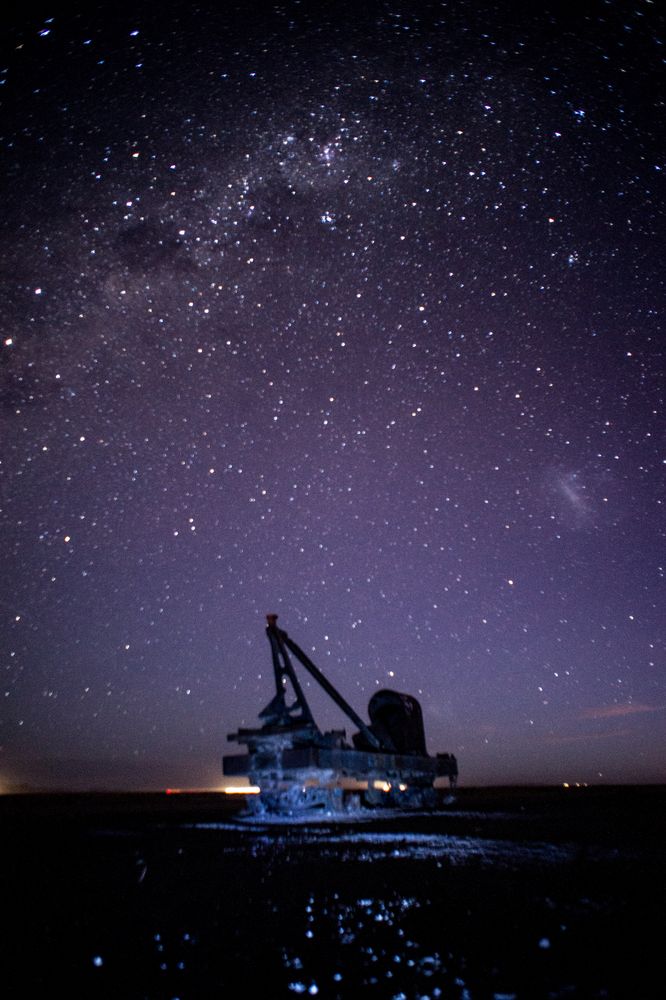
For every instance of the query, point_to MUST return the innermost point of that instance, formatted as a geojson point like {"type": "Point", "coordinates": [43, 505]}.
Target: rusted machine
{"type": "Point", "coordinates": [299, 768]}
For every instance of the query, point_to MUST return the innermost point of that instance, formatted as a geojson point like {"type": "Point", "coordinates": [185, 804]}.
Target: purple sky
{"type": "Point", "coordinates": [349, 312]}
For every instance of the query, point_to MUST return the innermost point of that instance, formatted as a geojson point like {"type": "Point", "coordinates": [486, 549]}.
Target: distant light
{"type": "Point", "coordinates": [382, 786]}
{"type": "Point", "coordinates": [241, 790]}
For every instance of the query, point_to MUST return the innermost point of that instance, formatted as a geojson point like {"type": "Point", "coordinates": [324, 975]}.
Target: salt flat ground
{"type": "Point", "coordinates": [521, 893]}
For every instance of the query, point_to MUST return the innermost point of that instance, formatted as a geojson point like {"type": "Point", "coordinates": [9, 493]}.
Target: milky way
{"type": "Point", "coordinates": [351, 313]}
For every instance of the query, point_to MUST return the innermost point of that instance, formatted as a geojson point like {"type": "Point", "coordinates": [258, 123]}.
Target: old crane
{"type": "Point", "coordinates": [298, 768]}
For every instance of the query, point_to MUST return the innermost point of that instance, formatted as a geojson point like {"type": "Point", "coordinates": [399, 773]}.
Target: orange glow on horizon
{"type": "Point", "coordinates": [241, 790]}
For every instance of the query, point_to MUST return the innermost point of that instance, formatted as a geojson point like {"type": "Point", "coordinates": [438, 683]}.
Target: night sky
{"type": "Point", "coordinates": [351, 312]}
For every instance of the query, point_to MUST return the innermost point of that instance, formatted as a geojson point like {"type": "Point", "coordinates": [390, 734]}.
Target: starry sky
{"type": "Point", "coordinates": [348, 312]}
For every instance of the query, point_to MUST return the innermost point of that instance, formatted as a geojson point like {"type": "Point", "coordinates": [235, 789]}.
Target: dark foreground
{"type": "Point", "coordinates": [512, 893]}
